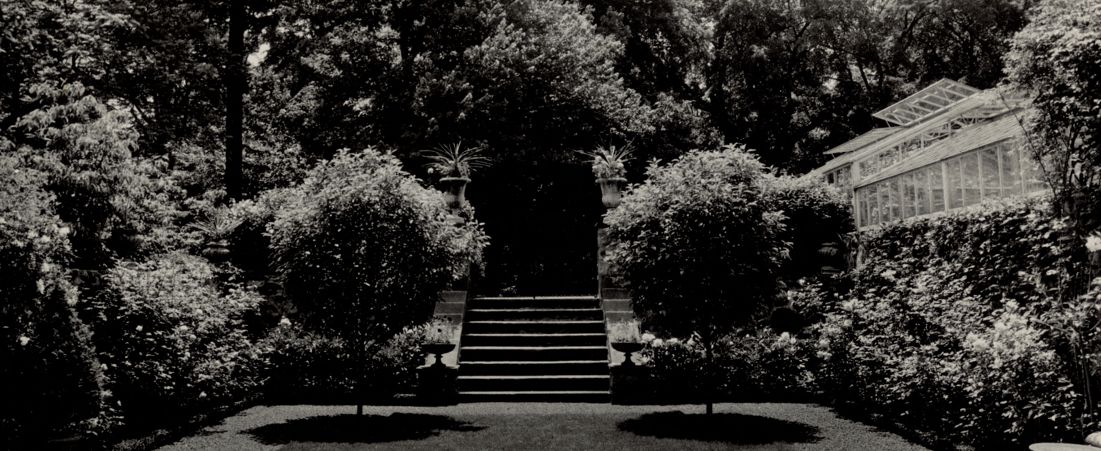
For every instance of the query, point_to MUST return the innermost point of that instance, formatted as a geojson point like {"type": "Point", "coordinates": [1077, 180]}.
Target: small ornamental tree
{"type": "Point", "coordinates": [698, 247]}
{"type": "Point", "coordinates": [365, 249]}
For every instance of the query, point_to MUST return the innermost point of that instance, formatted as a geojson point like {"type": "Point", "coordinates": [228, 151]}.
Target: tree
{"type": "Point", "coordinates": [365, 250]}
{"type": "Point", "coordinates": [698, 246]}
{"type": "Point", "coordinates": [794, 78]}
{"type": "Point", "coordinates": [235, 86]}
{"type": "Point", "coordinates": [665, 44]}
{"type": "Point", "coordinates": [1057, 59]}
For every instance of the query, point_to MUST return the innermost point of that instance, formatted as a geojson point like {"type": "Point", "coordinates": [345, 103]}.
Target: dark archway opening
{"type": "Point", "coordinates": [541, 217]}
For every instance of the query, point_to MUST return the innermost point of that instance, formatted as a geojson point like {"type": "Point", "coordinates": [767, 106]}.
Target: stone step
{"type": "Point", "coordinates": [584, 382]}
{"type": "Point", "coordinates": [533, 367]}
{"type": "Point", "coordinates": [570, 339]}
{"type": "Point", "coordinates": [540, 353]}
{"type": "Point", "coordinates": [590, 396]}
{"type": "Point", "coordinates": [480, 314]}
{"type": "Point", "coordinates": [550, 302]}
{"type": "Point", "coordinates": [533, 326]}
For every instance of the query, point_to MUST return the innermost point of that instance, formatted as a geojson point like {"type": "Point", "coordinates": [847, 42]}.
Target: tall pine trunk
{"type": "Point", "coordinates": [235, 85]}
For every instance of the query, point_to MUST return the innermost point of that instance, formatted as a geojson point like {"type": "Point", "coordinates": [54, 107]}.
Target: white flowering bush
{"type": "Point", "coordinates": [751, 366]}
{"type": "Point", "coordinates": [307, 367]}
{"type": "Point", "coordinates": [51, 379]}
{"type": "Point", "coordinates": [173, 332]}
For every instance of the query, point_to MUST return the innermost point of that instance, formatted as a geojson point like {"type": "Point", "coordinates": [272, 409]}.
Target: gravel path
{"type": "Point", "coordinates": [542, 426]}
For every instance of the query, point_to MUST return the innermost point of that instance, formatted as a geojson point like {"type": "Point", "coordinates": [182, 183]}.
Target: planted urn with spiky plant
{"type": "Point", "coordinates": [609, 165]}
{"type": "Point", "coordinates": [454, 163]}
{"type": "Point", "coordinates": [216, 228]}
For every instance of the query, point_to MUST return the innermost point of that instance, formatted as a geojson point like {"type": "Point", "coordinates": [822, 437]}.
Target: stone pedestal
{"type": "Point", "coordinates": [630, 384]}
{"type": "Point", "coordinates": [437, 385]}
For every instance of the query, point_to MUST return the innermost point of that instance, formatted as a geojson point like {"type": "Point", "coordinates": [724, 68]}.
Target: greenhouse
{"type": "Point", "coordinates": [948, 146]}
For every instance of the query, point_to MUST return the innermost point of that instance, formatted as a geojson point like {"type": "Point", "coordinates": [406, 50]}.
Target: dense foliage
{"type": "Point", "coordinates": [173, 331]}
{"type": "Point", "coordinates": [52, 380]}
{"type": "Point", "coordinates": [1055, 60]}
{"type": "Point", "coordinates": [85, 147]}
{"type": "Point", "coordinates": [970, 313]}
{"type": "Point", "coordinates": [813, 214]}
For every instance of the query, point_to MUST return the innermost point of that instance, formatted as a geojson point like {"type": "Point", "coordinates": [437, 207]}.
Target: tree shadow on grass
{"type": "Point", "coordinates": [720, 427]}
{"type": "Point", "coordinates": [359, 429]}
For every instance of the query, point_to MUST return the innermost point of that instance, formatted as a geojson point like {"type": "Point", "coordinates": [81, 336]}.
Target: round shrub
{"type": "Point", "coordinates": [697, 244]}
{"type": "Point", "coordinates": [365, 249]}
{"type": "Point", "coordinates": [174, 340]}
{"type": "Point", "coordinates": [51, 379]}
{"type": "Point", "coordinates": [699, 248]}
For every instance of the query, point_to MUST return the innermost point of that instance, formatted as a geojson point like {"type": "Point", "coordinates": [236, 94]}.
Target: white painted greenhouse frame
{"type": "Point", "coordinates": [949, 146]}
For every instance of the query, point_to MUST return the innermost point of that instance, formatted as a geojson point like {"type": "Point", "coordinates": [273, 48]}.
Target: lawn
{"type": "Point", "coordinates": [542, 426]}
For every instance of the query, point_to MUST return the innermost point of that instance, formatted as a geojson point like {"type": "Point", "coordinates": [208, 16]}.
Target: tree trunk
{"type": "Point", "coordinates": [235, 85]}
{"type": "Point", "coordinates": [709, 375]}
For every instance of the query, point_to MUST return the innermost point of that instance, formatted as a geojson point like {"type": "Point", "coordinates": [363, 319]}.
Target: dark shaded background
{"type": "Point", "coordinates": [541, 217]}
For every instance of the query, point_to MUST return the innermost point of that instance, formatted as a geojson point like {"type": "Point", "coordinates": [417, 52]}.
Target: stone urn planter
{"type": "Point", "coordinates": [611, 190]}
{"type": "Point", "coordinates": [454, 190]}
{"type": "Point", "coordinates": [217, 251]}
{"type": "Point", "coordinates": [627, 348]}
{"type": "Point", "coordinates": [438, 349]}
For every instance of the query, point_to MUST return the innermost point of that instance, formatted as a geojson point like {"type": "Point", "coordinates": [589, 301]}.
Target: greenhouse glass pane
{"type": "Point", "coordinates": [896, 199]}
{"type": "Point", "coordinates": [988, 159]}
{"type": "Point", "coordinates": [936, 187]}
{"type": "Point", "coordinates": [971, 180]}
{"type": "Point", "coordinates": [909, 197]}
{"type": "Point", "coordinates": [921, 185]}
{"type": "Point", "coordinates": [884, 202]}
{"type": "Point", "coordinates": [1011, 169]}
{"type": "Point", "coordinates": [873, 204]}
{"type": "Point", "coordinates": [955, 184]}
{"type": "Point", "coordinates": [861, 208]}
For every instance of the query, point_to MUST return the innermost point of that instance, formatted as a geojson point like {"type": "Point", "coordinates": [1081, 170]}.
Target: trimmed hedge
{"type": "Point", "coordinates": [964, 329]}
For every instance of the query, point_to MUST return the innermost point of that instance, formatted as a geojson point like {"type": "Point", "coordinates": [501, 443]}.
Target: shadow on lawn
{"type": "Point", "coordinates": [720, 427]}
{"type": "Point", "coordinates": [359, 429]}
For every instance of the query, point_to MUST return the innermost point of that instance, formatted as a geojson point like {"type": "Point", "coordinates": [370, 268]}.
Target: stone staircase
{"type": "Point", "coordinates": [551, 349]}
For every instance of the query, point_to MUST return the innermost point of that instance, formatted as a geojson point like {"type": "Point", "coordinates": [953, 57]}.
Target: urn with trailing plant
{"type": "Point", "coordinates": [609, 167]}
{"type": "Point", "coordinates": [626, 338]}
{"type": "Point", "coordinates": [439, 339]}
{"type": "Point", "coordinates": [454, 164]}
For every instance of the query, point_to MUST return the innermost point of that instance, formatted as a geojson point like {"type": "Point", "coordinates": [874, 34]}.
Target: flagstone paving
{"type": "Point", "coordinates": [542, 426]}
